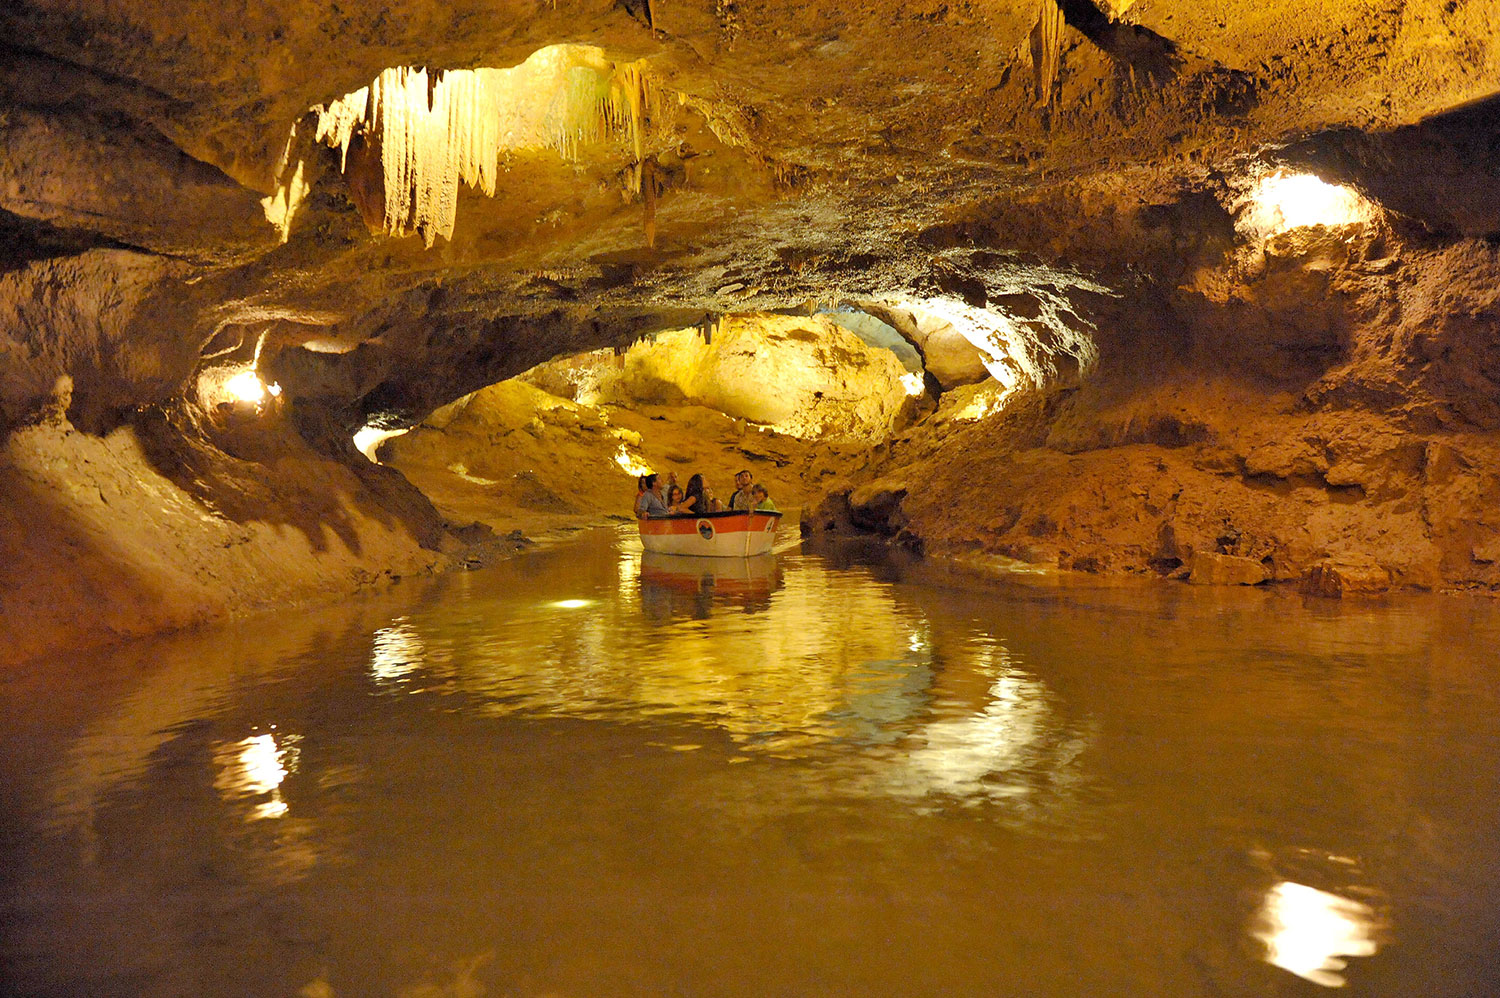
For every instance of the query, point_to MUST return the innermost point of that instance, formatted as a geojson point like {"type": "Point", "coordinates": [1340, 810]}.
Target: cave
{"type": "Point", "coordinates": [1125, 375]}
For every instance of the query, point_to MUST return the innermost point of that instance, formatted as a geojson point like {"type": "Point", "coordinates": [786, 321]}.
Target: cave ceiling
{"type": "Point", "coordinates": [798, 155]}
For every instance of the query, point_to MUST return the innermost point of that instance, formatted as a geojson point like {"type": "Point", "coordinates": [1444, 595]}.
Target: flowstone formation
{"type": "Point", "coordinates": [1147, 340]}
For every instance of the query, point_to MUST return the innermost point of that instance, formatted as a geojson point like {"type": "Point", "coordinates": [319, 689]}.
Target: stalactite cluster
{"type": "Point", "coordinates": [436, 129]}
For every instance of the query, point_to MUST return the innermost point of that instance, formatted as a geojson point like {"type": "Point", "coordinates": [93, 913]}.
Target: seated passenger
{"type": "Point", "coordinates": [696, 499]}
{"type": "Point", "coordinates": [674, 499]}
{"type": "Point", "coordinates": [649, 503]}
{"type": "Point", "coordinates": [741, 497]}
{"type": "Point", "coordinates": [762, 500]}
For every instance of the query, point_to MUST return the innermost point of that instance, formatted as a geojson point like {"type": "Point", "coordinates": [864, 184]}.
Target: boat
{"type": "Point", "coordinates": [734, 534]}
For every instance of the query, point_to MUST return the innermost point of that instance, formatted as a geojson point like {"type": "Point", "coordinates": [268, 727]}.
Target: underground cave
{"type": "Point", "coordinates": [1125, 373]}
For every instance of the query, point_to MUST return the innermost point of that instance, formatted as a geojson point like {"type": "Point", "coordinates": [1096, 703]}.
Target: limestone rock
{"type": "Point", "coordinates": [1208, 568]}
{"type": "Point", "coordinates": [876, 506]}
{"type": "Point", "coordinates": [1339, 578]}
{"type": "Point", "coordinates": [804, 376]}
{"type": "Point", "coordinates": [1487, 552]}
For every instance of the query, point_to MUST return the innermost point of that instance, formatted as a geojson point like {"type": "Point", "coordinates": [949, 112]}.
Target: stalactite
{"type": "Point", "coordinates": [435, 130]}
{"type": "Point", "coordinates": [649, 191]}
{"type": "Point", "coordinates": [1046, 51]}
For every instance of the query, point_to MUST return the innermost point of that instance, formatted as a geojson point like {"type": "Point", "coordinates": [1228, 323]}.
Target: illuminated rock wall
{"type": "Point", "coordinates": [804, 376]}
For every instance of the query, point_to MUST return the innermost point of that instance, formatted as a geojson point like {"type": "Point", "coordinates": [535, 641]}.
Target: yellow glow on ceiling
{"type": "Point", "coordinates": [630, 464]}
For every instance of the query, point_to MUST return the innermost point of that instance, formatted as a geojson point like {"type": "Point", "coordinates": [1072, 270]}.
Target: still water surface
{"type": "Point", "coordinates": [592, 773]}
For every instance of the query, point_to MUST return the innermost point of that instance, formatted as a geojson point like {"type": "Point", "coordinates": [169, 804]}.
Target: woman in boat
{"type": "Point", "coordinates": [674, 499]}
{"type": "Point", "coordinates": [696, 499]}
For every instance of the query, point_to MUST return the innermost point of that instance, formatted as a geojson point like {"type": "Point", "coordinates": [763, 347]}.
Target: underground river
{"type": "Point", "coordinates": [586, 772]}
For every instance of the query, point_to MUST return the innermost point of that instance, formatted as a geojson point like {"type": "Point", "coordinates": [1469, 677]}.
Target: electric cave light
{"type": "Point", "coordinates": [1283, 201]}
{"type": "Point", "coordinates": [247, 387]}
{"type": "Point", "coordinates": [630, 464]}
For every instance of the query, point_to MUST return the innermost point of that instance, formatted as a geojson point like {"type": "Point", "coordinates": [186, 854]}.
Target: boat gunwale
{"type": "Point", "coordinates": [712, 516]}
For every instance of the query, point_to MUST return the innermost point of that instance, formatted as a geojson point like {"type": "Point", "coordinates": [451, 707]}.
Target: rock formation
{"type": "Point", "coordinates": [1140, 354]}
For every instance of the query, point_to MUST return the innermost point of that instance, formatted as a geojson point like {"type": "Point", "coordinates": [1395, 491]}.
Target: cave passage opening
{"type": "Point", "coordinates": [804, 402]}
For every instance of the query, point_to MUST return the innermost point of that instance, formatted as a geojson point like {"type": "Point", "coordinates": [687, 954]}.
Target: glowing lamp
{"type": "Point", "coordinates": [630, 464]}
{"type": "Point", "coordinates": [247, 387]}
{"type": "Point", "coordinates": [1284, 201]}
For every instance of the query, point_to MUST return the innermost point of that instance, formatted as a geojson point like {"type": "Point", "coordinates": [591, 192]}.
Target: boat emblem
{"type": "Point", "coordinates": [705, 530]}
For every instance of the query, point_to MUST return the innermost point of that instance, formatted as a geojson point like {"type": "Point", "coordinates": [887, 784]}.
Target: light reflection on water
{"type": "Point", "coordinates": [591, 771]}
{"type": "Point", "coordinates": [1312, 933]}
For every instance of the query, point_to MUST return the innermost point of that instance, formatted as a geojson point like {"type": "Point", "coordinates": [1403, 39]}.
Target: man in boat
{"type": "Point", "coordinates": [742, 500]}
{"type": "Point", "coordinates": [762, 498]}
{"type": "Point", "coordinates": [649, 503]}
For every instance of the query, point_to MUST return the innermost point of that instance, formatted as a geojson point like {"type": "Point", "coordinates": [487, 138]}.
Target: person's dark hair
{"type": "Point", "coordinates": [743, 471]}
{"type": "Point", "coordinates": [693, 495]}
{"type": "Point", "coordinates": [648, 481]}
{"type": "Point", "coordinates": [640, 483]}
{"type": "Point", "coordinates": [674, 495]}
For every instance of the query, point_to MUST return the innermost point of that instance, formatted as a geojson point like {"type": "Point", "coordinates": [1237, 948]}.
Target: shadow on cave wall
{"type": "Point", "coordinates": [39, 601]}
{"type": "Point", "coordinates": [1443, 171]}
{"type": "Point", "coordinates": [265, 472]}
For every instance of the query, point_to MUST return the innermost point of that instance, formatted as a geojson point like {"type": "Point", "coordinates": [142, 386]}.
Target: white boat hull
{"type": "Point", "coordinates": [713, 535]}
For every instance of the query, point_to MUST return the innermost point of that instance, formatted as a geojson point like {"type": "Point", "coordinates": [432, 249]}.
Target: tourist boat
{"type": "Point", "coordinates": [715, 535]}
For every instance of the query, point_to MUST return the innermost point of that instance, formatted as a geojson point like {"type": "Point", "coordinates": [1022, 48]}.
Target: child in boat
{"type": "Point", "coordinates": [762, 499]}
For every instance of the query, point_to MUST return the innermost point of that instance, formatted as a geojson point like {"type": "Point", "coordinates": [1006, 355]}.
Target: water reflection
{"type": "Point", "coordinates": [398, 650]}
{"type": "Point", "coordinates": [1310, 932]}
{"type": "Point", "coordinates": [256, 767]}
{"type": "Point", "coordinates": [676, 586]}
{"type": "Point", "coordinates": [932, 790]}
{"type": "Point", "coordinates": [781, 671]}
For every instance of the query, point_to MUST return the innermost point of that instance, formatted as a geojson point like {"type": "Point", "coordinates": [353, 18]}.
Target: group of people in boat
{"type": "Point", "coordinates": [662, 496]}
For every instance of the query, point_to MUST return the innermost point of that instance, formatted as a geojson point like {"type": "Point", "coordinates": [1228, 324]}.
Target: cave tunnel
{"type": "Point", "coordinates": [1120, 380]}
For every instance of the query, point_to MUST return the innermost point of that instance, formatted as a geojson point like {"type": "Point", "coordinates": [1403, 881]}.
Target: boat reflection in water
{"type": "Point", "coordinates": [678, 586]}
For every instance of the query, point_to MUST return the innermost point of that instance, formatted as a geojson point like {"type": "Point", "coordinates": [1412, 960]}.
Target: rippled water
{"type": "Point", "coordinates": [589, 773]}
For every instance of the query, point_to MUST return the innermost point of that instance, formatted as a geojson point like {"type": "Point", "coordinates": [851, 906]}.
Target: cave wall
{"type": "Point", "coordinates": [1318, 409]}
{"type": "Point", "coordinates": [150, 527]}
